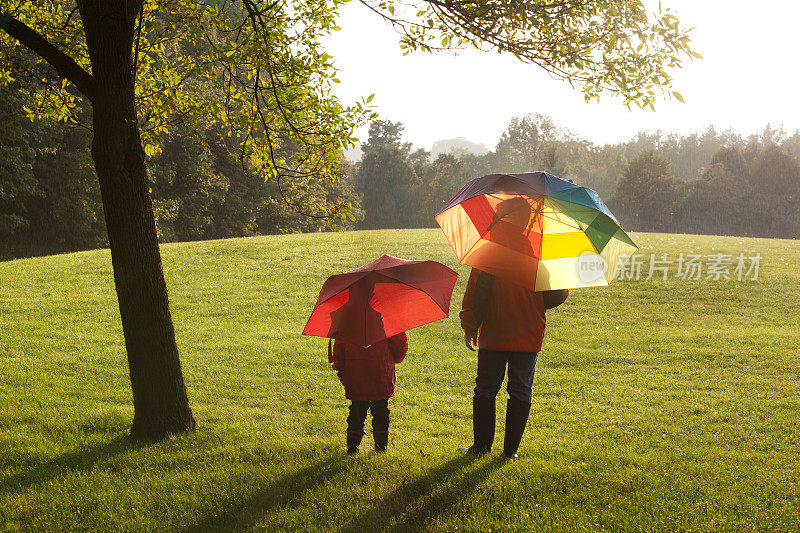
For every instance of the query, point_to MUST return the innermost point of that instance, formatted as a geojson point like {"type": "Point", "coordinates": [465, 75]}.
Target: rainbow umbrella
{"type": "Point", "coordinates": [536, 230]}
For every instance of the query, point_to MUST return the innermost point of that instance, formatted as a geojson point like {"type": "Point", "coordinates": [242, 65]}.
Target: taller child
{"type": "Point", "coordinates": [506, 322]}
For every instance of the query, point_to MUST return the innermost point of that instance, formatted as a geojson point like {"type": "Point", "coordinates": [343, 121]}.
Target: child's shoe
{"type": "Point", "coordinates": [353, 440]}
{"type": "Point", "coordinates": [381, 440]}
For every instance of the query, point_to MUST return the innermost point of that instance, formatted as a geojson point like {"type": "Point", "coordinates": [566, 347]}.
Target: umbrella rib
{"type": "Point", "coordinates": [558, 219]}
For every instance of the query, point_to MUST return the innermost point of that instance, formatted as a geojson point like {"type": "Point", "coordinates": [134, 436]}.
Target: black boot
{"type": "Point", "coordinates": [516, 419]}
{"type": "Point", "coordinates": [483, 422]}
{"type": "Point", "coordinates": [353, 440]}
{"type": "Point", "coordinates": [381, 440]}
{"type": "Point", "coordinates": [380, 424]}
{"type": "Point", "coordinates": [355, 424]}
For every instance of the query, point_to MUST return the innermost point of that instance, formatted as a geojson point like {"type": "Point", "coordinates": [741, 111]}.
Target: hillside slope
{"type": "Point", "coordinates": [658, 405]}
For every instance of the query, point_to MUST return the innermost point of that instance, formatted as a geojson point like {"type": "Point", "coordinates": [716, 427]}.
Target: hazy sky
{"type": "Point", "coordinates": [748, 78]}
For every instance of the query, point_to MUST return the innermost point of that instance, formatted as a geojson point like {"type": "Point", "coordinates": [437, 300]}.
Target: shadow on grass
{"type": "Point", "coordinates": [81, 460]}
{"type": "Point", "coordinates": [424, 498]}
{"type": "Point", "coordinates": [241, 515]}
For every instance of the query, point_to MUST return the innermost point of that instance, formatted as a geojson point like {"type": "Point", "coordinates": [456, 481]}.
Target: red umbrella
{"type": "Point", "coordinates": [381, 299]}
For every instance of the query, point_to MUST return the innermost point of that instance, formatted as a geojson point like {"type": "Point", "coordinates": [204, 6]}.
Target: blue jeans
{"type": "Point", "coordinates": [492, 370]}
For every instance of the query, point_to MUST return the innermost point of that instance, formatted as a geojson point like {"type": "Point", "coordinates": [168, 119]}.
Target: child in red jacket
{"type": "Point", "coordinates": [368, 376]}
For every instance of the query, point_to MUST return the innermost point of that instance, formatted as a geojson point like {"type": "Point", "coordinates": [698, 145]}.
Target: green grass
{"type": "Point", "coordinates": [658, 405]}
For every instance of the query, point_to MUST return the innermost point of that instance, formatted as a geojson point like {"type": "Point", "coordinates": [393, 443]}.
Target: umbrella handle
{"type": "Point", "coordinates": [330, 351]}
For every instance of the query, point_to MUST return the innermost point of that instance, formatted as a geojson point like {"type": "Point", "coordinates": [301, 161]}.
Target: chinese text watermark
{"type": "Point", "coordinates": [714, 267]}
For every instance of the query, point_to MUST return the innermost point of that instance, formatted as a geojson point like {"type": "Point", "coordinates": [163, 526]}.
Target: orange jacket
{"type": "Point", "coordinates": [514, 318]}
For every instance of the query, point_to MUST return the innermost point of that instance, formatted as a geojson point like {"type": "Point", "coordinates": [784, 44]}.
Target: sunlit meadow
{"type": "Point", "coordinates": [658, 404]}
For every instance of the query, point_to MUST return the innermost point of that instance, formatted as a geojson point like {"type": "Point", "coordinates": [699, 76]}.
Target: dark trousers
{"type": "Point", "coordinates": [492, 369]}
{"type": "Point", "coordinates": [358, 416]}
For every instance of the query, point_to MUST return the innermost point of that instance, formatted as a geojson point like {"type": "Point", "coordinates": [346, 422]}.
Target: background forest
{"type": "Point", "coordinates": [711, 182]}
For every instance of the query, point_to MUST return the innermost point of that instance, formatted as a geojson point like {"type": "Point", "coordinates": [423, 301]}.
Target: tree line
{"type": "Point", "coordinates": [710, 182]}
{"type": "Point", "coordinates": [749, 190]}
{"type": "Point", "coordinates": [713, 182]}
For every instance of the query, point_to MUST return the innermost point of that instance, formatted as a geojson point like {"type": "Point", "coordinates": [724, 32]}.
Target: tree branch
{"type": "Point", "coordinates": [64, 65]}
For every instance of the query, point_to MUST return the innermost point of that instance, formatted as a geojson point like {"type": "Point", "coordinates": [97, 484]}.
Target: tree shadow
{"type": "Point", "coordinates": [241, 515]}
{"type": "Point", "coordinates": [431, 491]}
{"type": "Point", "coordinates": [81, 460]}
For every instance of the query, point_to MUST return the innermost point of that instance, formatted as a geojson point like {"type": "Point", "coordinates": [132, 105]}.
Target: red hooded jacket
{"type": "Point", "coordinates": [368, 373]}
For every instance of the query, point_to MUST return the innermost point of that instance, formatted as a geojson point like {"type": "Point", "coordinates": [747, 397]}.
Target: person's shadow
{"type": "Point", "coordinates": [433, 493]}
{"type": "Point", "coordinates": [242, 514]}
{"type": "Point", "coordinates": [514, 223]}
{"type": "Point", "coordinates": [81, 459]}
{"type": "Point", "coordinates": [417, 501]}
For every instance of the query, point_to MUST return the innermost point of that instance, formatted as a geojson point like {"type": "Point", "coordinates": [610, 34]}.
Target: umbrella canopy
{"type": "Point", "coordinates": [381, 299]}
{"type": "Point", "coordinates": [536, 230]}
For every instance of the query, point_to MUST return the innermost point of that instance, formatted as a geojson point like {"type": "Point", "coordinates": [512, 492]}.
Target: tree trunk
{"type": "Point", "coordinates": [161, 406]}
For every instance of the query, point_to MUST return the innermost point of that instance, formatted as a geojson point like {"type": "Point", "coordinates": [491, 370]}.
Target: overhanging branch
{"type": "Point", "coordinates": [64, 65]}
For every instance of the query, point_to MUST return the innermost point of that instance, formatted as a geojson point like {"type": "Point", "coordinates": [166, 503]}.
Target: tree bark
{"type": "Point", "coordinates": [161, 406]}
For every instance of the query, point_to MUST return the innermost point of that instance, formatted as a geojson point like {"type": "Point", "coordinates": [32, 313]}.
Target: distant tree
{"type": "Point", "coordinates": [792, 144]}
{"type": "Point", "coordinates": [19, 147]}
{"type": "Point", "coordinates": [387, 183]}
{"type": "Point", "coordinates": [386, 179]}
{"type": "Point", "coordinates": [439, 181]}
{"type": "Point", "coordinates": [279, 209]}
{"type": "Point", "coordinates": [647, 195]}
{"type": "Point", "coordinates": [234, 214]}
{"type": "Point", "coordinates": [687, 154]}
{"type": "Point", "coordinates": [713, 203]}
{"type": "Point", "coordinates": [528, 144]}
{"type": "Point", "coordinates": [419, 159]}
{"type": "Point", "coordinates": [775, 193]}
{"type": "Point", "coordinates": [185, 187]}
{"type": "Point", "coordinates": [344, 190]}
{"type": "Point", "coordinates": [478, 165]}
{"type": "Point", "coordinates": [695, 150]}
{"type": "Point", "coordinates": [385, 134]}
{"type": "Point", "coordinates": [597, 168]}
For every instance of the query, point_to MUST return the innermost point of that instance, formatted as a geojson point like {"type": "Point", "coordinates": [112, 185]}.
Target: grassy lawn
{"type": "Point", "coordinates": [658, 405]}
